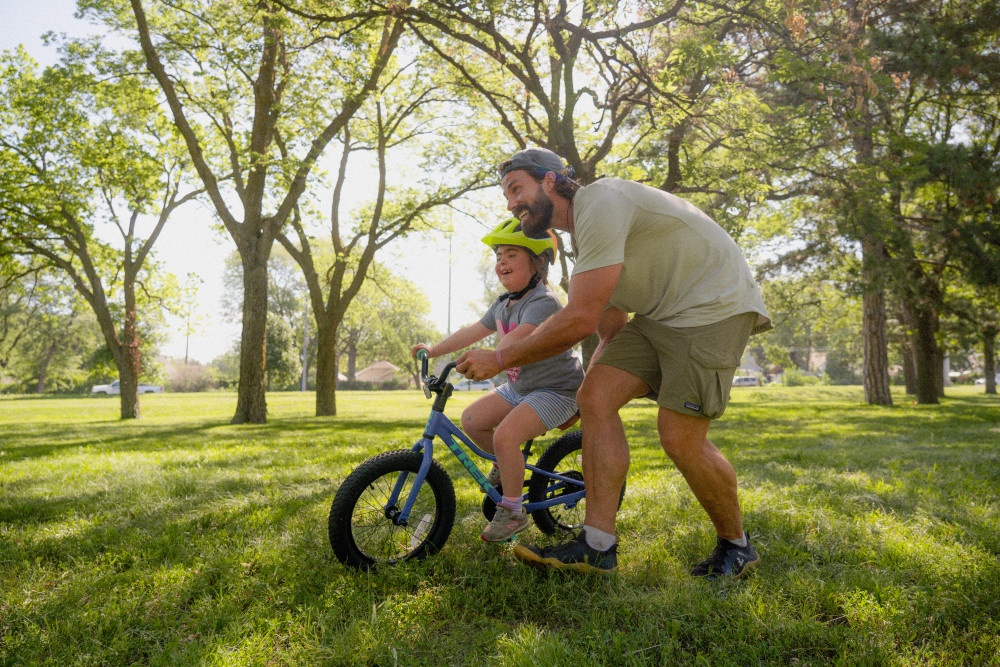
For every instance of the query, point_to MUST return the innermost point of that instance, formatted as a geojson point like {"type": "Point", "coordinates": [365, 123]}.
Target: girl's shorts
{"type": "Point", "coordinates": [553, 409]}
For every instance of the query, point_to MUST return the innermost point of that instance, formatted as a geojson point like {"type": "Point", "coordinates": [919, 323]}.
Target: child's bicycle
{"type": "Point", "coordinates": [400, 505]}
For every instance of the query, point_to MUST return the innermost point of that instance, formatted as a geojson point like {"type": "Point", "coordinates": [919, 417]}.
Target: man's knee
{"type": "Point", "coordinates": [676, 447]}
{"type": "Point", "coordinates": [590, 398]}
{"type": "Point", "coordinates": [683, 437]}
{"type": "Point", "coordinates": [606, 389]}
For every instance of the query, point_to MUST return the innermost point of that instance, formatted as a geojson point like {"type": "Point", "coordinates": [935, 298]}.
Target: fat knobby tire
{"type": "Point", "coordinates": [362, 535]}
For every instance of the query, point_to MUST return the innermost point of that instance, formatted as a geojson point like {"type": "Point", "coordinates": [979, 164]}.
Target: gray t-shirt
{"type": "Point", "coordinates": [562, 373]}
{"type": "Point", "coordinates": [679, 267]}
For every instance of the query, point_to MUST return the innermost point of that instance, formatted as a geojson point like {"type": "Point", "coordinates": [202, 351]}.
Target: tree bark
{"type": "Point", "coordinates": [326, 369]}
{"type": "Point", "coordinates": [927, 356]}
{"type": "Point", "coordinates": [251, 404]}
{"type": "Point", "coordinates": [990, 358]}
{"type": "Point", "coordinates": [876, 357]}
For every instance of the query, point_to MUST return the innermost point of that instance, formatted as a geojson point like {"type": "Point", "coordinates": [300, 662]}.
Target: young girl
{"type": "Point", "coordinates": [537, 397]}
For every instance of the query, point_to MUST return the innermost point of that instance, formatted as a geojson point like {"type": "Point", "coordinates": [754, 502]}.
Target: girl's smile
{"type": "Point", "coordinates": [514, 267]}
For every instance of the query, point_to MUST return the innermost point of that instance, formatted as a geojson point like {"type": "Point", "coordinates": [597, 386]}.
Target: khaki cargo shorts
{"type": "Point", "coordinates": [689, 370]}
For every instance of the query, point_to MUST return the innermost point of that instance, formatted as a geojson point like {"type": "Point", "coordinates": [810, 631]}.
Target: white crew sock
{"type": "Point", "coordinates": [598, 539]}
{"type": "Point", "coordinates": [742, 542]}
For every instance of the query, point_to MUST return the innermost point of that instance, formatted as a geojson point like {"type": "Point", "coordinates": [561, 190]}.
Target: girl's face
{"type": "Point", "coordinates": [514, 267]}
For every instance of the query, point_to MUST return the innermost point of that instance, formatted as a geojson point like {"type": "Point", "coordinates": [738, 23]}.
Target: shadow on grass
{"type": "Point", "coordinates": [40, 441]}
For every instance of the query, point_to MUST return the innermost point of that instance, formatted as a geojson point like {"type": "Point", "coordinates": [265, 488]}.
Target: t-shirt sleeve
{"type": "Point", "coordinates": [489, 320]}
{"type": "Point", "coordinates": [538, 310]}
{"type": "Point", "coordinates": [600, 227]}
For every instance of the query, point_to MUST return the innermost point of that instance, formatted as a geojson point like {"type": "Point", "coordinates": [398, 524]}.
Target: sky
{"type": "Point", "coordinates": [189, 244]}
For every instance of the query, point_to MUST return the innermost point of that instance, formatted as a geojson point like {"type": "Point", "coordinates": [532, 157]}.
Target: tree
{"type": "Point", "coordinates": [257, 97]}
{"type": "Point", "coordinates": [816, 326]}
{"type": "Point", "coordinates": [87, 158]}
{"type": "Point", "coordinates": [46, 332]}
{"type": "Point", "coordinates": [593, 83]}
{"type": "Point", "coordinates": [386, 319]}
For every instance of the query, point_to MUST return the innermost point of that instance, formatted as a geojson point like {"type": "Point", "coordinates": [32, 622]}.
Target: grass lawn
{"type": "Point", "coordinates": [182, 540]}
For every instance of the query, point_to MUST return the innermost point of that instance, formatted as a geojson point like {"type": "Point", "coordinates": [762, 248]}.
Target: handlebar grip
{"type": "Point", "coordinates": [422, 355]}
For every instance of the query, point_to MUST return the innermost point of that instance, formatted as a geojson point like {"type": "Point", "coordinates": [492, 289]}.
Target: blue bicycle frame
{"type": "Point", "coordinates": [438, 425]}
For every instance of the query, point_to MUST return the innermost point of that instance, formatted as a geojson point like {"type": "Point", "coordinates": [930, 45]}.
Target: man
{"type": "Point", "coordinates": [694, 302]}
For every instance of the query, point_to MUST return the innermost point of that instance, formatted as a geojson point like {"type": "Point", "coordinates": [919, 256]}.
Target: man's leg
{"type": "Point", "coordinates": [605, 450]}
{"type": "Point", "coordinates": [708, 473]}
{"type": "Point", "coordinates": [604, 391]}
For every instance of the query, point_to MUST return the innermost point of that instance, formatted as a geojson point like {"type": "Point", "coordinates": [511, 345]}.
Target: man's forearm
{"type": "Point", "coordinates": [557, 334]}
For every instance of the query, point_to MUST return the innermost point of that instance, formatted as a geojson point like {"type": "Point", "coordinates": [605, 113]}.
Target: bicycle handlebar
{"type": "Point", "coordinates": [431, 382]}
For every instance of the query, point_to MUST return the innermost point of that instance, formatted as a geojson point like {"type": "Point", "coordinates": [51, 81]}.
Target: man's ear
{"type": "Point", "coordinates": [549, 183]}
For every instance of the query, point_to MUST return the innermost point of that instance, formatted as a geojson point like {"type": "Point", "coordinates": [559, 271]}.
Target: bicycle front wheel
{"type": "Point", "coordinates": [363, 533]}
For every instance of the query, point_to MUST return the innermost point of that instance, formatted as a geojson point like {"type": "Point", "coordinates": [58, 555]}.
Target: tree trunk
{"type": "Point", "coordinates": [128, 373]}
{"type": "Point", "coordinates": [326, 369]}
{"type": "Point", "coordinates": [907, 348]}
{"type": "Point", "coordinates": [251, 405]}
{"type": "Point", "coordinates": [876, 356]}
{"type": "Point", "coordinates": [909, 365]}
{"type": "Point", "coordinates": [43, 371]}
{"type": "Point", "coordinates": [928, 359]}
{"type": "Point", "coordinates": [352, 361]}
{"type": "Point", "coordinates": [990, 359]}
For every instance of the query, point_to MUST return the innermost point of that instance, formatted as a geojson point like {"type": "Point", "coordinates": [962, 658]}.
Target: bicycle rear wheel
{"type": "Point", "coordinates": [564, 458]}
{"type": "Point", "coordinates": [362, 531]}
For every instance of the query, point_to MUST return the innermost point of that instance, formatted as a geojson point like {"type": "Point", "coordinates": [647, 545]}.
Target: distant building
{"type": "Point", "coordinates": [380, 372]}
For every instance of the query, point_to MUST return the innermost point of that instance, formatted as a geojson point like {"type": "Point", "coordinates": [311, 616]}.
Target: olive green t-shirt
{"type": "Point", "coordinates": [679, 267]}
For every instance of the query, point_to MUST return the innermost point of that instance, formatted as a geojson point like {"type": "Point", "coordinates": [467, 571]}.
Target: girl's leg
{"type": "Point", "coordinates": [521, 424]}
{"type": "Point", "coordinates": [480, 419]}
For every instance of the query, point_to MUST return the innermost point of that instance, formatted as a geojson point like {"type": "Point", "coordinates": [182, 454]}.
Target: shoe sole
{"type": "Point", "coordinates": [747, 568]}
{"type": "Point", "coordinates": [713, 576]}
{"type": "Point", "coordinates": [529, 557]}
{"type": "Point", "coordinates": [509, 538]}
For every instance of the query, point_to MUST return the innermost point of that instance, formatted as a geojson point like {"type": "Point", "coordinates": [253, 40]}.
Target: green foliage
{"type": "Point", "coordinates": [384, 321]}
{"type": "Point", "coordinates": [816, 329]}
{"type": "Point", "coordinates": [183, 540]}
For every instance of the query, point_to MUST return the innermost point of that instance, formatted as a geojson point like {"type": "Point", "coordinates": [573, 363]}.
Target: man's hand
{"type": "Point", "coordinates": [478, 364]}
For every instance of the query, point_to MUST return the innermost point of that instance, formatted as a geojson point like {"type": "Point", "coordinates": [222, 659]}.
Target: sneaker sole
{"type": "Point", "coordinates": [744, 572]}
{"type": "Point", "coordinates": [747, 568]}
{"type": "Point", "coordinates": [529, 557]}
{"type": "Point", "coordinates": [509, 538]}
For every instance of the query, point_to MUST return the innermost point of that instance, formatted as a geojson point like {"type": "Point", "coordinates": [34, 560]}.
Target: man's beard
{"type": "Point", "coordinates": [537, 222]}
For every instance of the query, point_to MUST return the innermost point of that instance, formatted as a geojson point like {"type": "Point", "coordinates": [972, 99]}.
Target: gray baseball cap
{"type": "Point", "coordinates": [535, 158]}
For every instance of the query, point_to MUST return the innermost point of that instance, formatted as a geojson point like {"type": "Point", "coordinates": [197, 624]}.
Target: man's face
{"type": "Point", "coordinates": [528, 202]}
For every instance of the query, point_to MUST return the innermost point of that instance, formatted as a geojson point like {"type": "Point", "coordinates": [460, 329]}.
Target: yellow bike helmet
{"type": "Point", "coordinates": [509, 232]}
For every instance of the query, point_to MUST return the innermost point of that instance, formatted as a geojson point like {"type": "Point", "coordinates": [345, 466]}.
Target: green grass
{"type": "Point", "coordinates": [182, 540]}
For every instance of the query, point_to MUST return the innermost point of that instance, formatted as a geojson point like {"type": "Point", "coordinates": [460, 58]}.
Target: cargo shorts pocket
{"type": "Point", "coordinates": [713, 372]}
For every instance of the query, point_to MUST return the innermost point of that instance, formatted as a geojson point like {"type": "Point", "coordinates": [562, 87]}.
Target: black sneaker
{"type": "Point", "coordinates": [575, 554]}
{"type": "Point", "coordinates": [728, 560]}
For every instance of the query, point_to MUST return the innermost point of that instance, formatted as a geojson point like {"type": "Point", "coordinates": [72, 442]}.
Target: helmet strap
{"type": "Point", "coordinates": [514, 296]}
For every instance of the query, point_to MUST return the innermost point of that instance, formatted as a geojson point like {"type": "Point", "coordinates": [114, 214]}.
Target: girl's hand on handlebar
{"type": "Point", "coordinates": [420, 346]}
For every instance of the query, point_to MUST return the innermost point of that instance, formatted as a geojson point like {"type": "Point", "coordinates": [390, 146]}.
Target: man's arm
{"type": "Point", "coordinates": [589, 293]}
{"type": "Point", "coordinates": [612, 320]}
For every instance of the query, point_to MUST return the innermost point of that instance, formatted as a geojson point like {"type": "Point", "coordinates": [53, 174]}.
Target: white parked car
{"type": "Point", "coordinates": [115, 388]}
{"type": "Point", "coordinates": [474, 385]}
{"type": "Point", "coordinates": [746, 381]}
{"type": "Point", "coordinates": [983, 380]}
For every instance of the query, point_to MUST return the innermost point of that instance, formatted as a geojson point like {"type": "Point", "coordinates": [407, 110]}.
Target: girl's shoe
{"type": "Point", "coordinates": [505, 525]}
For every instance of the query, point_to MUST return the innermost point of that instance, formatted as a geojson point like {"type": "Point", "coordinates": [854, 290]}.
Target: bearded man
{"type": "Point", "coordinates": [673, 302]}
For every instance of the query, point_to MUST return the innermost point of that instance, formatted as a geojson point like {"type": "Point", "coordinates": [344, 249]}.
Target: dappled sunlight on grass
{"type": "Point", "coordinates": [182, 539]}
